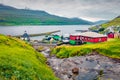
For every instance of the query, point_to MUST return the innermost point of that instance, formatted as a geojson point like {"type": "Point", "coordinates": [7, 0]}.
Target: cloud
{"type": "Point", "coordinates": [87, 9]}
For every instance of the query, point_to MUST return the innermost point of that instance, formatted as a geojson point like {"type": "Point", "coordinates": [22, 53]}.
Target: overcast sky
{"type": "Point", "coordinates": [92, 10]}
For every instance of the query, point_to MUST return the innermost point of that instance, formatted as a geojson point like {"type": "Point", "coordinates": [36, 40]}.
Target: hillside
{"type": "Point", "coordinates": [19, 61]}
{"type": "Point", "coordinates": [115, 24]}
{"type": "Point", "coordinates": [109, 48]}
{"type": "Point", "coordinates": [13, 16]}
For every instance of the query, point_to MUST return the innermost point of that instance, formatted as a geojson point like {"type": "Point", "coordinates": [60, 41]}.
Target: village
{"type": "Point", "coordinates": [78, 38]}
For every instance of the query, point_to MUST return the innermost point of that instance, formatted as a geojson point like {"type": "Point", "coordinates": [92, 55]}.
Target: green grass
{"type": "Point", "coordinates": [110, 48]}
{"type": "Point", "coordinates": [19, 61]}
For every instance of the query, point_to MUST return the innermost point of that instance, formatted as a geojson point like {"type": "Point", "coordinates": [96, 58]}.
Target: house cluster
{"type": "Point", "coordinates": [94, 37]}
{"type": "Point", "coordinates": [113, 31]}
{"type": "Point", "coordinates": [86, 36]}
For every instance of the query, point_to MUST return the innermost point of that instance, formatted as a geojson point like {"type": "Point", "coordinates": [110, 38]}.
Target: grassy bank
{"type": "Point", "coordinates": [109, 48]}
{"type": "Point", "coordinates": [19, 61]}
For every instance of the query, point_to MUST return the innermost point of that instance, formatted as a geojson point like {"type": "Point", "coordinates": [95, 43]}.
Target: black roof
{"type": "Point", "coordinates": [25, 35]}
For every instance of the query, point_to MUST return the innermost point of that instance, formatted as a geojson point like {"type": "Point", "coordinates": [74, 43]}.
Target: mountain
{"type": "Point", "coordinates": [114, 24]}
{"type": "Point", "coordinates": [13, 16]}
{"type": "Point", "coordinates": [100, 22]}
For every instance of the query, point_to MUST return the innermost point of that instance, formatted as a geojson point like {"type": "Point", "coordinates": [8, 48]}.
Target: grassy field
{"type": "Point", "coordinates": [19, 61]}
{"type": "Point", "coordinates": [110, 48]}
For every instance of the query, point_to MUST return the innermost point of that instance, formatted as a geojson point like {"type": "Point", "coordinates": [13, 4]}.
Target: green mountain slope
{"type": "Point", "coordinates": [13, 16]}
{"type": "Point", "coordinates": [19, 61]}
{"type": "Point", "coordinates": [115, 23]}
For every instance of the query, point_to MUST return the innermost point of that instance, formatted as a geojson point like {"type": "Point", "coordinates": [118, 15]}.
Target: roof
{"type": "Point", "coordinates": [76, 34]}
{"type": "Point", "coordinates": [90, 34]}
{"type": "Point", "coordinates": [25, 35]}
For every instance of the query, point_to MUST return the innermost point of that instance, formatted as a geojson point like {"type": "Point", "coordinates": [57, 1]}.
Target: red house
{"type": "Point", "coordinates": [91, 37]}
{"type": "Point", "coordinates": [110, 35]}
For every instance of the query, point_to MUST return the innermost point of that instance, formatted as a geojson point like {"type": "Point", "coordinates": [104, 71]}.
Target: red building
{"type": "Point", "coordinates": [110, 35]}
{"type": "Point", "coordinates": [91, 37]}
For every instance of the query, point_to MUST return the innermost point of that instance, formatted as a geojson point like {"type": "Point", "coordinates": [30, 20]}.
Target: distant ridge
{"type": "Point", "coordinates": [100, 22]}
{"type": "Point", "coordinates": [13, 16]}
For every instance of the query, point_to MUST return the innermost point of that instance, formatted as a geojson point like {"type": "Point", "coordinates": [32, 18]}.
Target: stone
{"type": "Point", "coordinates": [84, 67]}
{"type": "Point", "coordinates": [75, 70]}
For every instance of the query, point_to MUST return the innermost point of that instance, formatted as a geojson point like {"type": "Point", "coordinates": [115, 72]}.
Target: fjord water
{"type": "Point", "coordinates": [19, 30]}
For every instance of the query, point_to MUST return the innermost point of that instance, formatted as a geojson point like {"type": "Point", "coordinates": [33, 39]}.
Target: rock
{"type": "Point", "coordinates": [90, 75]}
{"type": "Point", "coordinates": [48, 63]}
{"type": "Point", "coordinates": [84, 67]}
{"type": "Point", "coordinates": [75, 71]}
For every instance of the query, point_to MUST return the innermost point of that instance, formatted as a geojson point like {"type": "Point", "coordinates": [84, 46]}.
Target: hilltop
{"type": "Point", "coordinates": [19, 61]}
{"type": "Point", "coordinates": [13, 16]}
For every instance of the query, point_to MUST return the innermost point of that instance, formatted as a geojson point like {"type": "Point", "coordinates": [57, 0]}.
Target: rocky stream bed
{"type": "Point", "coordinates": [89, 67]}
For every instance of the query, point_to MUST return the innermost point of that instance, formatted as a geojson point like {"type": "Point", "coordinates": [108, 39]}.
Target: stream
{"type": "Point", "coordinates": [89, 67]}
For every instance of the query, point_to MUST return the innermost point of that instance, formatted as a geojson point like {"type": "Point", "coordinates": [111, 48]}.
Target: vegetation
{"type": "Point", "coordinates": [109, 48]}
{"type": "Point", "coordinates": [12, 16]}
{"type": "Point", "coordinates": [101, 29]}
{"type": "Point", "coordinates": [114, 23]}
{"type": "Point", "coordinates": [19, 61]}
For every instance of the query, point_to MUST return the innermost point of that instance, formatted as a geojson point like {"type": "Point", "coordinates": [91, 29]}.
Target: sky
{"type": "Point", "coordinates": [92, 10]}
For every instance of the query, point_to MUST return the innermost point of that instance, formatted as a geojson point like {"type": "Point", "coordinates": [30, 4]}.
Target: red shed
{"type": "Point", "coordinates": [92, 37]}
{"type": "Point", "coordinates": [110, 35]}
